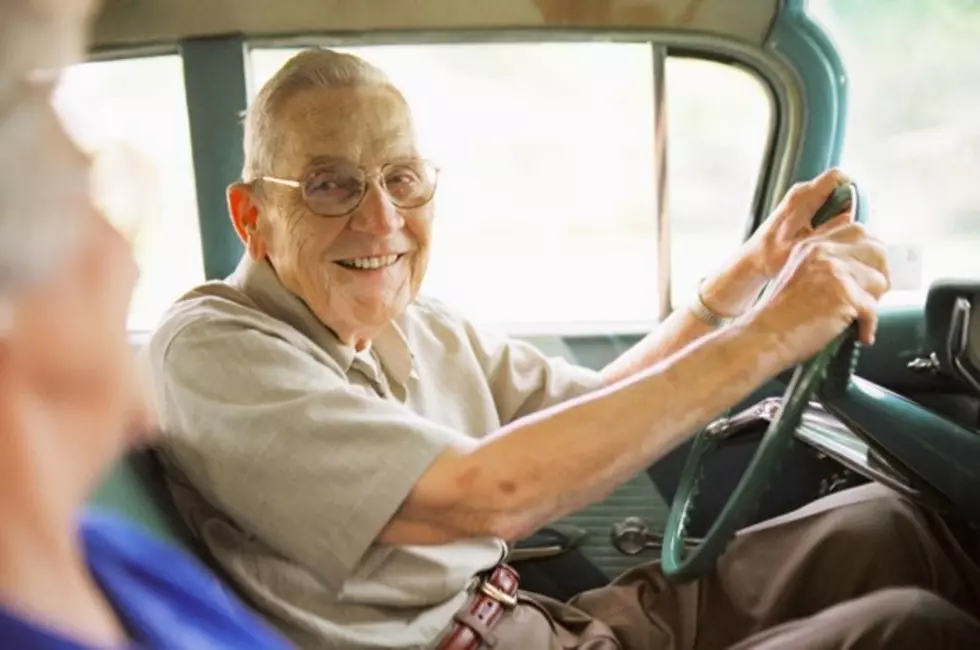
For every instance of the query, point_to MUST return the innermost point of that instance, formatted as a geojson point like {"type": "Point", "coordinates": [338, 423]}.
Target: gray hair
{"type": "Point", "coordinates": [40, 35]}
{"type": "Point", "coordinates": [37, 39]}
{"type": "Point", "coordinates": [315, 68]}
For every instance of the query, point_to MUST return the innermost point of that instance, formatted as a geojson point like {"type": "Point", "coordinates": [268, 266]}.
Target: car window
{"type": "Point", "coordinates": [135, 110]}
{"type": "Point", "coordinates": [913, 129]}
{"type": "Point", "coordinates": [545, 215]}
{"type": "Point", "coordinates": [719, 123]}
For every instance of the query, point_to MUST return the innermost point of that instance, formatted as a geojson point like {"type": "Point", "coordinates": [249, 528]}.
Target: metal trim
{"type": "Point", "coordinates": [661, 199]}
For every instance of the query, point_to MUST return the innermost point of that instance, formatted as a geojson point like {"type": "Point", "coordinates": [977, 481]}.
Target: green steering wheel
{"type": "Point", "coordinates": [833, 366]}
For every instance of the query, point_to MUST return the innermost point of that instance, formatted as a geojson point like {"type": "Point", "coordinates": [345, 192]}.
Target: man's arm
{"type": "Point", "coordinates": [553, 462]}
{"type": "Point", "coordinates": [729, 293]}
{"type": "Point", "coordinates": [561, 459]}
{"type": "Point", "coordinates": [739, 282]}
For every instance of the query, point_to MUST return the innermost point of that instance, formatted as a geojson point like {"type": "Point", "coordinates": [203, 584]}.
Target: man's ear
{"type": "Point", "coordinates": [244, 212]}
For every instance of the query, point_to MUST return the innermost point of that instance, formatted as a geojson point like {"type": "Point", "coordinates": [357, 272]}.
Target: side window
{"type": "Point", "coordinates": [545, 210]}
{"type": "Point", "coordinates": [913, 131]}
{"type": "Point", "coordinates": [142, 111]}
{"type": "Point", "coordinates": [719, 119]}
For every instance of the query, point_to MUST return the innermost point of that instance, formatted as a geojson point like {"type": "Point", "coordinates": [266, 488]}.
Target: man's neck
{"type": "Point", "coordinates": [43, 573]}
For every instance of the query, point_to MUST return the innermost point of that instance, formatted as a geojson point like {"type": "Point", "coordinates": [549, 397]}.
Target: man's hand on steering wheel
{"type": "Point", "coordinates": [831, 277]}
{"type": "Point", "coordinates": [830, 280]}
{"type": "Point", "coordinates": [771, 246]}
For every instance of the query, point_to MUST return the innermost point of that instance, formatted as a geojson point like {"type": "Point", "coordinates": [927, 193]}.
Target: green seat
{"type": "Point", "coordinates": [134, 489]}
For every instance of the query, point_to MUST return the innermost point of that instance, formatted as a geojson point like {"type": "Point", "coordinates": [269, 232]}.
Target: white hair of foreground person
{"type": "Point", "coordinates": [37, 39]}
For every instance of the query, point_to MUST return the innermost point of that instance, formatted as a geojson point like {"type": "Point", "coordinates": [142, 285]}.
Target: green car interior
{"type": "Point", "coordinates": [691, 119]}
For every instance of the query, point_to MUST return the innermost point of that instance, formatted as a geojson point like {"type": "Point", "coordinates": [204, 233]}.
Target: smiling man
{"type": "Point", "coordinates": [357, 456]}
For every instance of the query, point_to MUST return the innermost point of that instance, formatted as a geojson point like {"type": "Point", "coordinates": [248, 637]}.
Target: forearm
{"type": "Point", "coordinates": [402, 530]}
{"type": "Point", "coordinates": [556, 461]}
{"type": "Point", "coordinates": [729, 292]}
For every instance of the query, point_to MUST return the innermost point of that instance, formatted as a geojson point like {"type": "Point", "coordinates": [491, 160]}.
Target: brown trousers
{"type": "Point", "coordinates": [860, 569]}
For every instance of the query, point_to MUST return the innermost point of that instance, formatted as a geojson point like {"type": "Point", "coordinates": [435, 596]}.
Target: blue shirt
{"type": "Point", "coordinates": [165, 597]}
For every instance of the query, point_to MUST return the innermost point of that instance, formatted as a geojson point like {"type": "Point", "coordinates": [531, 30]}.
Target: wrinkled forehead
{"type": "Point", "coordinates": [368, 126]}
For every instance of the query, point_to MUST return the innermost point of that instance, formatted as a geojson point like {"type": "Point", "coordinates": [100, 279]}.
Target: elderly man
{"type": "Point", "coordinates": [357, 456]}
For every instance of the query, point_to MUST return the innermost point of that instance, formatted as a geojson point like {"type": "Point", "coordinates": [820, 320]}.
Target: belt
{"type": "Point", "coordinates": [472, 625]}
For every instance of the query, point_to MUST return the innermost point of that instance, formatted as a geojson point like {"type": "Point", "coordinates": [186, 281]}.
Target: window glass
{"type": "Point", "coordinates": [913, 131]}
{"type": "Point", "coordinates": [719, 123]}
{"type": "Point", "coordinates": [545, 209]}
{"type": "Point", "coordinates": [134, 110]}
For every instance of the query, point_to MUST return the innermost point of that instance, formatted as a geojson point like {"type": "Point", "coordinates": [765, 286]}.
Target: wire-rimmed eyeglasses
{"type": "Point", "coordinates": [338, 189]}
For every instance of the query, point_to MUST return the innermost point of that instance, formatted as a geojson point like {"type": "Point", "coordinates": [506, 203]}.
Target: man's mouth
{"type": "Point", "coordinates": [370, 263]}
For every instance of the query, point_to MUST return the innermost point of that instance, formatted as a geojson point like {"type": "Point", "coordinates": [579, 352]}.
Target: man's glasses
{"type": "Point", "coordinates": [337, 190]}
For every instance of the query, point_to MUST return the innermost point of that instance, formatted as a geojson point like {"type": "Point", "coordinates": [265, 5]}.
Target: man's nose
{"type": "Point", "coordinates": [377, 215]}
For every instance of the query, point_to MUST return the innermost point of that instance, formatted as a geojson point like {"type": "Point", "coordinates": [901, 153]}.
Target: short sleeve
{"type": "Point", "coordinates": [522, 379]}
{"type": "Point", "coordinates": [279, 440]}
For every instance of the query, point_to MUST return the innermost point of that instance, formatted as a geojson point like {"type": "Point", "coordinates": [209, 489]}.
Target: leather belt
{"type": "Point", "coordinates": [473, 624]}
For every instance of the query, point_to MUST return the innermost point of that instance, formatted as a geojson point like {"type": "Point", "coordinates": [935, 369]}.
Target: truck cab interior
{"type": "Point", "coordinates": [598, 159]}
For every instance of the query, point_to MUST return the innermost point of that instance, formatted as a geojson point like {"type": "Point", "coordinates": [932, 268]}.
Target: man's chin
{"type": "Point", "coordinates": [363, 317]}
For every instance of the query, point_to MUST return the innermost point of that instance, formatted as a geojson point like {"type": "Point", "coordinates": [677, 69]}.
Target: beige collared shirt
{"type": "Point", "coordinates": [288, 452]}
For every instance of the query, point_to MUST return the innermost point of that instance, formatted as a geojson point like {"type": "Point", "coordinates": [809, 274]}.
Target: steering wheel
{"type": "Point", "coordinates": [832, 366]}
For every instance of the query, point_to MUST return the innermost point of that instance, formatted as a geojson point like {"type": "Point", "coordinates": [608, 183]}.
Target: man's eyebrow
{"type": "Point", "coordinates": [398, 154]}
{"type": "Point", "coordinates": [317, 161]}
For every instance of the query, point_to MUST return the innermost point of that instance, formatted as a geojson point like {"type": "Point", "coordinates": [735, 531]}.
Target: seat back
{"type": "Point", "coordinates": [134, 489]}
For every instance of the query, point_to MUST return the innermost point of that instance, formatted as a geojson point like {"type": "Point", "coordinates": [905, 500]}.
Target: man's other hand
{"type": "Point", "coordinates": [830, 280]}
{"type": "Point", "coordinates": [770, 246]}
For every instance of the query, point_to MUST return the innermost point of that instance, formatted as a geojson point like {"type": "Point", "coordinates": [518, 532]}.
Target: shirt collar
{"type": "Point", "coordinates": [258, 281]}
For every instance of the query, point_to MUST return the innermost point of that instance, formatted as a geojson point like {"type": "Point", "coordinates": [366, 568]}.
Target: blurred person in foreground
{"type": "Point", "coordinates": [69, 396]}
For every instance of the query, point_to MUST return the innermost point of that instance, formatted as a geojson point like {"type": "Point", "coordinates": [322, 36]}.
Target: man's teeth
{"type": "Point", "coordinates": [370, 262]}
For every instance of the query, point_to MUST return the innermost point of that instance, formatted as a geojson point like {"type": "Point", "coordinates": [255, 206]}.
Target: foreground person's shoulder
{"type": "Point", "coordinates": [166, 595]}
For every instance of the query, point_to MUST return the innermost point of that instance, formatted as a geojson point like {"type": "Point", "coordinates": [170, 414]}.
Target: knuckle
{"type": "Point", "coordinates": [850, 312]}
{"type": "Point", "coordinates": [819, 257]}
{"type": "Point", "coordinates": [858, 230]}
{"type": "Point", "coordinates": [881, 255]}
{"type": "Point", "coordinates": [797, 188]}
{"type": "Point", "coordinates": [792, 204]}
{"type": "Point", "coordinates": [839, 277]}
{"type": "Point", "coordinates": [796, 195]}
{"type": "Point", "coordinates": [884, 285]}
{"type": "Point", "coordinates": [881, 247]}
{"type": "Point", "coordinates": [877, 285]}
{"type": "Point", "coordinates": [803, 248]}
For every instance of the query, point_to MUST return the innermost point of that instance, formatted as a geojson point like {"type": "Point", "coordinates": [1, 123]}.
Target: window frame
{"type": "Point", "coordinates": [781, 152]}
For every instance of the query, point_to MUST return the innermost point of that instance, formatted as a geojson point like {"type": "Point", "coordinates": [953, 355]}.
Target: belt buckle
{"type": "Point", "coordinates": [497, 594]}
